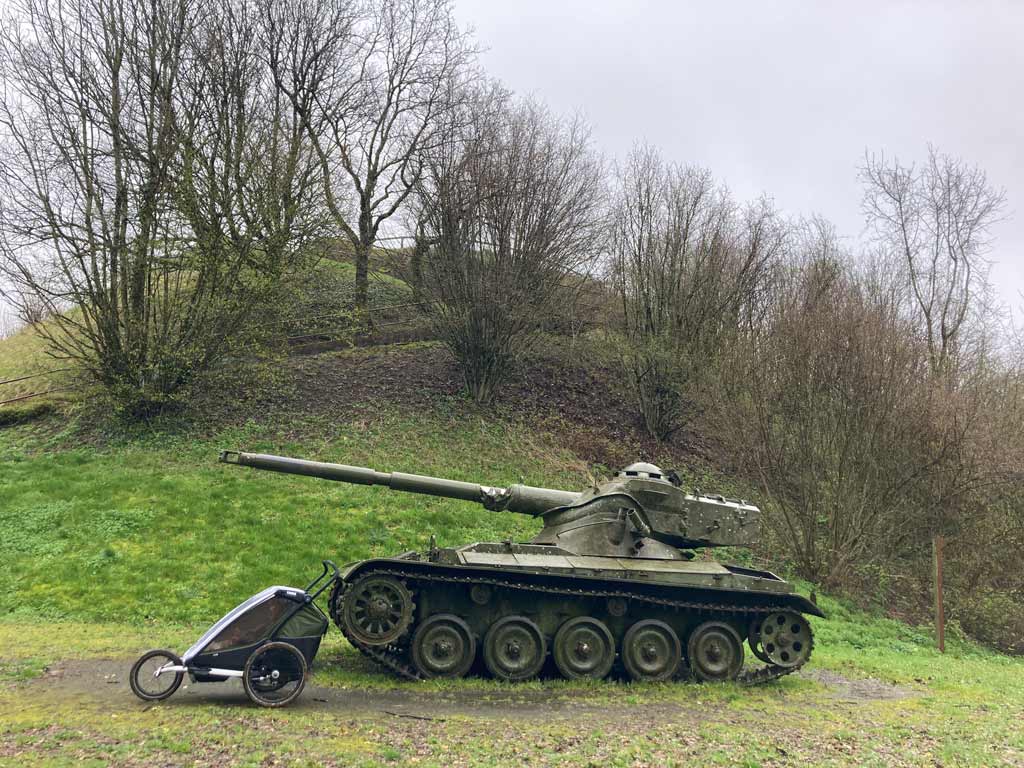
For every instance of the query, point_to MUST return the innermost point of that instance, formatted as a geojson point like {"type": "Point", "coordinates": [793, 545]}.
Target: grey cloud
{"type": "Point", "coordinates": [783, 97]}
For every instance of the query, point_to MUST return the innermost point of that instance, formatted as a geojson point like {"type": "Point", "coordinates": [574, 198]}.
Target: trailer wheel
{"type": "Point", "coordinates": [275, 674]}
{"type": "Point", "coordinates": [148, 682]}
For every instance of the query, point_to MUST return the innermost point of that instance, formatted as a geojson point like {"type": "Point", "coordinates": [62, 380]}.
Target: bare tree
{"type": "Point", "coordinates": [937, 218]}
{"type": "Point", "coordinates": [833, 408]}
{"type": "Point", "coordinates": [372, 84]}
{"type": "Point", "coordinates": [511, 217]}
{"type": "Point", "coordinates": [8, 322]}
{"type": "Point", "coordinates": [25, 308]}
{"type": "Point", "coordinates": [153, 184]}
{"type": "Point", "coordinates": [688, 264]}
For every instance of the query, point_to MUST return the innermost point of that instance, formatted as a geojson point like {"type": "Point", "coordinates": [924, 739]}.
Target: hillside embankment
{"type": "Point", "coordinates": [119, 538]}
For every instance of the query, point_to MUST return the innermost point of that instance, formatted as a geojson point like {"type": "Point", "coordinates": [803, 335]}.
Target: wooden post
{"type": "Point", "coordinates": [938, 542]}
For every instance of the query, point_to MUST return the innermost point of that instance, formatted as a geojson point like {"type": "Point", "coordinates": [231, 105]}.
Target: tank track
{"type": "Point", "coordinates": [391, 656]}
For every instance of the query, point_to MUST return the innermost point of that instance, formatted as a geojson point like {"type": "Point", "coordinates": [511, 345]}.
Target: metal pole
{"type": "Point", "coordinates": [34, 394]}
{"type": "Point", "coordinates": [940, 615]}
{"type": "Point", "coordinates": [34, 375]}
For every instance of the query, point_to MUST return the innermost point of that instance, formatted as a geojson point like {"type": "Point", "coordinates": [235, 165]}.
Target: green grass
{"type": "Point", "coordinates": [105, 552]}
{"type": "Point", "coordinates": [21, 355]}
{"type": "Point", "coordinates": [24, 354]}
{"type": "Point", "coordinates": [329, 289]}
{"type": "Point", "coordinates": [158, 528]}
{"type": "Point", "coordinates": [964, 708]}
{"type": "Point", "coordinates": [381, 280]}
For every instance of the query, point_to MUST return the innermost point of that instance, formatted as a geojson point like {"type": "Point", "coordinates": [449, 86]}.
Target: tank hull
{"type": "Point", "coordinates": [475, 589]}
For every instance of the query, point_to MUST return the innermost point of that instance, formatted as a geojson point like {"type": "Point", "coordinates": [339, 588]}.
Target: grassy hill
{"type": "Point", "coordinates": [158, 526]}
{"type": "Point", "coordinates": [116, 539]}
{"type": "Point", "coordinates": [26, 366]}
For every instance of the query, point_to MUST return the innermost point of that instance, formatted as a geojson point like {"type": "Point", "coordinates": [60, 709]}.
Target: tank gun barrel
{"type": "Point", "coordinates": [524, 499]}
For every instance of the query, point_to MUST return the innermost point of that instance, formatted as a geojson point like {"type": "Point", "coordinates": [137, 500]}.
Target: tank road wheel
{"type": "Point", "coordinates": [514, 649]}
{"type": "Point", "coordinates": [584, 647]}
{"type": "Point", "coordinates": [377, 610]}
{"type": "Point", "coordinates": [754, 640]}
{"type": "Point", "coordinates": [786, 638]}
{"type": "Point", "coordinates": [443, 646]}
{"type": "Point", "coordinates": [715, 652]}
{"type": "Point", "coordinates": [651, 651]}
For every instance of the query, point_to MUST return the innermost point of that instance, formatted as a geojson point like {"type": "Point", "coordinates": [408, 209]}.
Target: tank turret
{"type": "Point", "coordinates": [641, 512]}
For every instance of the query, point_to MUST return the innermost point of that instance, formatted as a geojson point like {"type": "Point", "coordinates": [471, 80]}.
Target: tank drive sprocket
{"type": "Point", "coordinates": [377, 610]}
{"type": "Point", "coordinates": [786, 638]}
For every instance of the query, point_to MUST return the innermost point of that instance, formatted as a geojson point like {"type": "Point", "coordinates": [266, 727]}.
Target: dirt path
{"type": "Point", "coordinates": [106, 681]}
{"type": "Point", "coordinates": [84, 710]}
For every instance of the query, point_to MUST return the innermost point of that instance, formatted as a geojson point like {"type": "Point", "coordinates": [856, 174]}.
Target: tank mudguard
{"type": "Point", "coordinates": [781, 600]}
{"type": "Point", "coordinates": [801, 604]}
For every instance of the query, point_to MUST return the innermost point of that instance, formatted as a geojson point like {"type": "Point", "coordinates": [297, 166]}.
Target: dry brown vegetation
{"type": "Point", "coordinates": [511, 220]}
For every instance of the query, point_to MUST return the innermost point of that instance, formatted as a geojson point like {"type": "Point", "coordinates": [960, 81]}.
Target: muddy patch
{"type": "Point", "coordinates": [856, 689]}
{"type": "Point", "coordinates": [107, 681]}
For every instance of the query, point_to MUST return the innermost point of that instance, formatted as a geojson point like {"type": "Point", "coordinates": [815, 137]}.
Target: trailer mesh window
{"type": "Point", "coordinates": [252, 626]}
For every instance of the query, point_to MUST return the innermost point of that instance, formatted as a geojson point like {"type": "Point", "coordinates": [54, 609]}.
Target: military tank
{"type": "Point", "coordinates": [611, 582]}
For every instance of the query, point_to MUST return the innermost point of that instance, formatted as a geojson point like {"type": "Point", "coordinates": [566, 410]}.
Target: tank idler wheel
{"type": "Point", "coordinates": [514, 649]}
{"type": "Point", "coordinates": [786, 638]}
{"type": "Point", "coordinates": [651, 651]}
{"type": "Point", "coordinates": [443, 646]}
{"type": "Point", "coordinates": [754, 640]}
{"type": "Point", "coordinates": [715, 652]}
{"type": "Point", "coordinates": [584, 648]}
{"type": "Point", "coordinates": [377, 610]}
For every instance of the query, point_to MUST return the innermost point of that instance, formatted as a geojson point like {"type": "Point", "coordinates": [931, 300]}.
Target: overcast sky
{"type": "Point", "coordinates": [783, 97]}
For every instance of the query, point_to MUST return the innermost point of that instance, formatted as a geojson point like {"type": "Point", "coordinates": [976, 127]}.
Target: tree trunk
{"type": "Point", "coordinates": [416, 265]}
{"type": "Point", "coordinates": [362, 283]}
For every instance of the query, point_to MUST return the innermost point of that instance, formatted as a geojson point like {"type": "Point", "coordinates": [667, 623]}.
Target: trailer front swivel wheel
{"type": "Point", "coordinates": [150, 680]}
{"type": "Point", "coordinates": [275, 674]}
